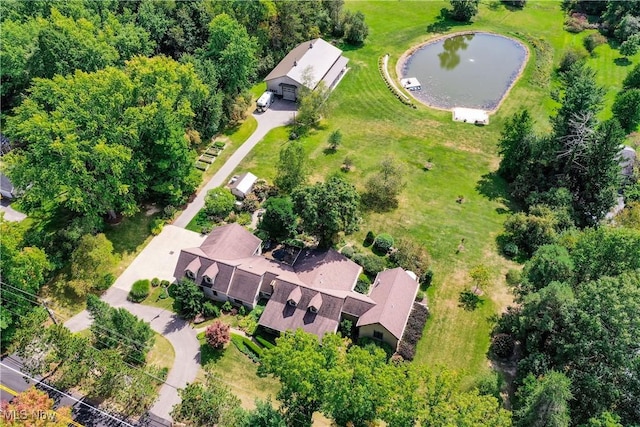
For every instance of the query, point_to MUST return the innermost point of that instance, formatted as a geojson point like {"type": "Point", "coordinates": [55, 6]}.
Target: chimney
{"type": "Point", "coordinates": [310, 45]}
{"type": "Point", "coordinates": [295, 63]}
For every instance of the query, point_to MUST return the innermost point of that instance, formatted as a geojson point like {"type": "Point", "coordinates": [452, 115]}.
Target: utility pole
{"type": "Point", "coordinates": [51, 315]}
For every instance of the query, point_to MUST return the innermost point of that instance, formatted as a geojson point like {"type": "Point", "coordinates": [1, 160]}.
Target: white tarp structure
{"type": "Point", "coordinates": [411, 83]}
{"type": "Point", "coordinates": [470, 115]}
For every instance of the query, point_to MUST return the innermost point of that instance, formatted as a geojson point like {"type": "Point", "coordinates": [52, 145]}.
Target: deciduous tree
{"type": "Point", "coordinates": [219, 202]}
{"type": "Point", "coordinates": [328, 208]}
{"type": "Point", "coordinates": [92, 260]}
{"type": "Point", "coordinates": [207, 404]}
{"type": "Point", "coordinates": [464, 10]}
{"type": "Point", "coordinates": [278, 219]}
{"type": "Point", "coordinates": [34, 408]}
{"type": "Point", "coordinates": [383, 189]}
{"type": "Point", "coordinates": [544, 401]}
{"type": "Point", "coordinates": [626, 109]}
{"type": "Point", "coordinates": [217, 334]}
{"type": "Point", "coordinates": [292, 167]}
{"type": "Point", "coordinates": [188, 298]}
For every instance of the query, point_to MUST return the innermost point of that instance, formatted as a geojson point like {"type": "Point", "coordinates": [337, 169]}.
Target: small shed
{"type": "Point", "coordinates": [471, 115]}
{"type": "Point", "coordinates": [243, 185]}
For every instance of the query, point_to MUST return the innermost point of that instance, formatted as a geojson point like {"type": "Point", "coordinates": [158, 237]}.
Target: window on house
{"type": "Point", "coordinates": [237, 301]}
{"type": "Point", "coordinates": [292, 303]}
{"type": "Point", "coordinates": [313, 309]}
{"type": "Point", "coordinates": [190, 274]}
{"type": "Point", "coordinates": [208, 280]}
{"type": "Point", "coordinates": [215, 293]}
{"type": "Point", "coordinates": [377, 335]}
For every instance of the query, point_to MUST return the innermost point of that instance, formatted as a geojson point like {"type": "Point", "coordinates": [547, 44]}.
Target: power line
{"type": "Point", "coordinates": [67, 395]}
{"type": "Point", "coordinates": [160, 380]}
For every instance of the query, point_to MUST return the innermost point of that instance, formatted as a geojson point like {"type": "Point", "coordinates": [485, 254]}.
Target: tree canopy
{"type": "Point", "coordinates": [130, 146]}
{"type": "Point", "coordinates": [278, 220]}
{"type": "Point", "coordinates": [292, 167]}
{"type": "Point", "coordinates": [328, 208]}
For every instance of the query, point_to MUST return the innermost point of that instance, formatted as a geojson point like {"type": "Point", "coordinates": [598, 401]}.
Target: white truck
{"type": "Point", "coordinates": [265, 101]}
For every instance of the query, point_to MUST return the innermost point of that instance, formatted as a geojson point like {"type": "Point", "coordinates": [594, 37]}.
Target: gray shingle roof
{"type": "Point", "coordinates": [394, 292]}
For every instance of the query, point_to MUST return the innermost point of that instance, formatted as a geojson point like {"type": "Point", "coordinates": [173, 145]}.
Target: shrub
{"type": "Point", "coordinates": [165, 283]}
{"type": "Point", "coordinates": [348, 251]}
{"type": "Point", "coordinates": [420, 296]}
{"type": "Point", "coordinates": [218, 334]}
{"type": "Point", "coordinates": [139, 290]}
{"type": "Point", "coordinates": [367, 342]}
{"type": "Point", "coordinates": [426, 278]}
{"type": "Point", "coordinates": [383, 242]}
{"type": "Point", "coordinates": [502, 346]}
{"type": "Point", "coordinates": [371, 264]}
{"type": "Point", "coordinates": [510, 250]}
{"type": "Point", "coordinates": [255, 348]}
{"type": "Point", "coordinates": [242, 310]}
{"type": "Point", "coordinates": [368, 241]}
{"type": "Point", "coordinates": [594, 40]}
{"type": "Point", "coordinates": [105, 282]}
{"type": "Point", "coordinates": [240, 343]}
{"type": "Point", "coordinates": [156, 226]}
{"type": "Point", "coordinates": [189, 298]}
{"type": "Point", "coordinates": [362, 286]}
{"type": "Point", "coordinates": [169, 212]}
{"type": "Point", "coordinates": [514, 277]}
{"type": "Point", "coordinates": [250, 203]}
{"type": "Point", "coordinates": [571, 56]}
{"type": "Point", "coordinates": [413, 331]}
{"type": "Point", "coordinates": [210, 310]}
{"type": "Point", "coordinates": [249, 324]}
{"type": "Point", "coordinates": [227, 306]}
{"type": "Point", "coordinates": [576, 23]}
{"type": "Point", "coordinates": [155, 282]}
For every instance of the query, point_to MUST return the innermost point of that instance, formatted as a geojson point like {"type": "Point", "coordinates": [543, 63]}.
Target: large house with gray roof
{"type": "Point", "coordinates": [315, 293]}
{"type": "Point", "coordinates": [317, 59]}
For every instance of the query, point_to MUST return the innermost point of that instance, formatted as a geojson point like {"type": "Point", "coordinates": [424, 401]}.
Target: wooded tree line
{"type": "Point", "coordinates": [578, 320]}
{"type": "Point", "coordinates": [108, 365]}
{"type": "Point", "coordinates": [352, 385]}
{"type": "Point", "coordinates": [104, 102]}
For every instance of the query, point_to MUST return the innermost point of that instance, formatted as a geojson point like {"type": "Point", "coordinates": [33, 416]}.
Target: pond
{"type": "Point", "coordinates": [473, 70]}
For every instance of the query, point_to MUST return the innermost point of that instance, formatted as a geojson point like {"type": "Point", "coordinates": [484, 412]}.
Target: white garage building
{"type": "Point", "coordinates": [324, 61]}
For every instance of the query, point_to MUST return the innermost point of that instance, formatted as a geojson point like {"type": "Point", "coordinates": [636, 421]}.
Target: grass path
{"type": "Point", "coordinates": [375, 125]}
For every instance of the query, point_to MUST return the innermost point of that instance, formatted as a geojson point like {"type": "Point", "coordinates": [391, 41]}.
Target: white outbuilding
{"type": "Point", "coordinates": [321, 60]}
{"type": "Point", "coordinates": [243, 185]}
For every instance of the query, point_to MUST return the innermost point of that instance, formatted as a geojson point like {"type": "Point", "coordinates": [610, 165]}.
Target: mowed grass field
{"type": "Point", "coordinates": [375, 126]}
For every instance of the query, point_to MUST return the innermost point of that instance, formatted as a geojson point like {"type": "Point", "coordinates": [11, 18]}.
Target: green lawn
{"type": "Point", "coordinates": [238, 373]}
{"type": "Point", "coordinates": [375, 125]}
{"type": "Point", "coordinates": [154, 299]}
{"type": "Point", "coordinates": [162, 353]}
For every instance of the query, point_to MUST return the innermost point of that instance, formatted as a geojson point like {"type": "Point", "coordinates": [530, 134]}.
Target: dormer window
{"type": "Point", "coordinates": [192, 269]}
{"type": "Point", "coordinates": [315, 303]}
{"type": "Point", "coordinates": [208, 280]}
{"type": "Point", "coordinates": [294, 297]}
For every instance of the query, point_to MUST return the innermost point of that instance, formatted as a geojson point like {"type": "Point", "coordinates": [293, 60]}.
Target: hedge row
{"type": "Point", "coordinates": [265, 343]}
{"type": "Point", "coordinates": [391, 87]}
{"type": "Point", "coordinates": [413, 331]}
{"type": "Point", "coordinates": [247, 347]}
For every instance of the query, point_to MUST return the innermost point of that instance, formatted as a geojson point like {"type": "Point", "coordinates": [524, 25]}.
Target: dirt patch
{"type": "Point", "coordinates": [151, 209]}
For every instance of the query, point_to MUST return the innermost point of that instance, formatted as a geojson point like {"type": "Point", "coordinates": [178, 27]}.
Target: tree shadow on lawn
{"type": "Point", "coordinates": [208, 354]}
{"type": "Point", "coordinates": [622, 62]}
{"type": "Point", "coordinates": [444, 23]}
{"type": "Point", "coordinates": [495, 188]}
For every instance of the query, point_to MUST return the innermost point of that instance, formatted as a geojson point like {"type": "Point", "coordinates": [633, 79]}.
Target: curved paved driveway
{"type": "Point", "coordinates": [159, 258]}
{"type": "Point", "coordinates": [279, 114]}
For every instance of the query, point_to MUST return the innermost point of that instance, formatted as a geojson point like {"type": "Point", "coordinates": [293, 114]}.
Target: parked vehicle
{"type": "Point", "coordinates": [265, 101]}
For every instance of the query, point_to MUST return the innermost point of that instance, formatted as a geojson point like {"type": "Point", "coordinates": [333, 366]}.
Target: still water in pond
{"type": "Point", "coordinates": [469, 70]}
